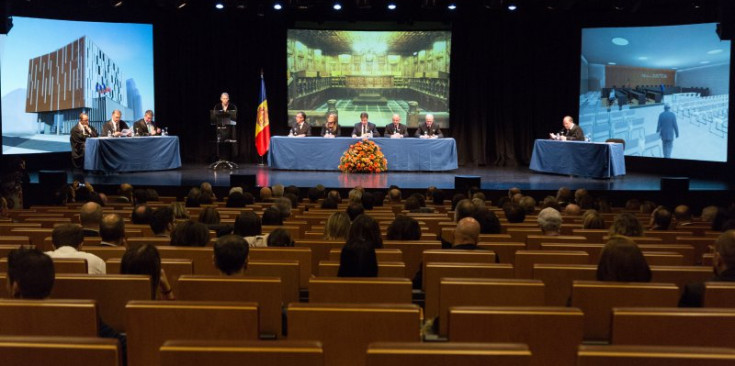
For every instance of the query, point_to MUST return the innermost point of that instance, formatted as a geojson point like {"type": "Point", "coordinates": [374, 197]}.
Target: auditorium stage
{"type": "Point", "coordinates": [493, 178]}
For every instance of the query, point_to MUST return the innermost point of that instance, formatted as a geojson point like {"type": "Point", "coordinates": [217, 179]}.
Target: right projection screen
{"type": "Point", "coordinates": [663, 90]}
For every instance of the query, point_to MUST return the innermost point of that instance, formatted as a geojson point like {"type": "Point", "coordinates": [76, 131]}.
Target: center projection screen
{"type": "Point", "coordinates": [53, 70]}
{"type": "Point", "coordinates": [378, 72]}
{"type": "Point", "coordinates": [664, 90]}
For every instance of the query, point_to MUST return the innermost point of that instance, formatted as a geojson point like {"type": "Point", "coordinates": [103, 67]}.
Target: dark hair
{"type": "Point", "coordinates": [438, 197]}
{"type": "Point", "coordinates": [33, 271]}
{"type": "Point", "coordinates": [626, 224]}
{"type": "Point", "coordinates": [456, 198]}
{"type": "Point", "coordinates": [368, 200]}
{"type": "Point", "coordinates": [363, 114]}
{"type": "Point", "coordinates": [141, 195]}
{"type": "Point", "coordinates": [293, 198]}
{"type": "Point", "coordinates": [592, 220]}
{"type": "Point", "coordinates": [514, 213]}
{"type": "Point", "coordinates": [152, 194]}
{"type": "Point", "coordinates": [235, 199]}
{"type": "Point", "coordinates": [67, 235]}
{"type": "Point", "coordinates": [366, 228]}
{"type": "Point", "coordinates": [141, 218]}
{"type": "Point", "coordinates": [489, 222]}
{"type": "Point", "coordinates": [329, 203]}
{"type": "Point", "coordinates": [192, 198]}
{"type": "Point", "coordinates": [248, 224]}
{"type": "Point", "coordinates": [404, 228]}
{"type": "Point", "coordinates": [161, 218]}
{"type": "Point", "coordinates": [412, 203]}
{"type": "Point", "coordinates": [112, 228]}
{"type": "Point", "coordinates": [272, 216]}
{"type": "Point", "coordinates": [231, 254]}
{"type": "Point", "coordinates": [209, 216]}
{"type": "Point", "coordinates": [621, 260]}
{"type": "Point", "coordinates": [354, 209]}
{"type": "Point", "coordinates": [190, 234]}
{"type": "Point", "coordinates": [358, 259]}
{"type": "Point", "coordinates": [314, 194]}
{"type": "Point", "coordinates": [280, 238]}
{"type": "Point", "coordinates": [464, 208]}
{"type": "Point", "coordinates": [662, 218]}
{"type": "Point", "coordinates": [143, 260]}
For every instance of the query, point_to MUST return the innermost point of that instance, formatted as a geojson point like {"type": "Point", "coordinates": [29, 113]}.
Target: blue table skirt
{"type": "Point", "coordinates": [587, 159]}
{"type": "Point", "coordinates": [406, 154]}
{"type": "Point", "coordinates": [131, 154]}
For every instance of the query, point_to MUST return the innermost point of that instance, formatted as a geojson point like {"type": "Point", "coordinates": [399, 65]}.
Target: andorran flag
{"type": "Point", "coordinates": [262, 128]}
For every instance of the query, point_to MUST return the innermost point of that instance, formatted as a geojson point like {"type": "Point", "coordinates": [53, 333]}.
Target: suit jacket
{"type": "Point", "coordinates": [108, 129]}
{"type": "Point", "coordinates": [230, 107]}
{"type": "Point", "coordinates": [357, 131]}
{"type": "Point", "coordinates": [391, 129]}
{"type": "Point", "coordinates": [573, 134]}
{"type": "Point", "coordinates": [336, 130]}
{"type": "Point", "coordinates": [693, 295]}
{"type": "Point", "coordinates": [304, 130]}
{"type": "Point", "coordinates": [77, 138]}
{"type": "Point", "coordinates": [424, 130]}
{"type": "Point", "coordinates": [667, 127]}
{"type": "Point", "coordinates": [141, 129]}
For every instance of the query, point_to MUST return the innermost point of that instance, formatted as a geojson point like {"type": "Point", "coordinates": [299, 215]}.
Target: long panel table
{"type": "Point", "coordinates": [131, 154]}
{"type": "Point", "coordinates": [587, 159]}
{"type": "Point", "coordinates": [406, 154]}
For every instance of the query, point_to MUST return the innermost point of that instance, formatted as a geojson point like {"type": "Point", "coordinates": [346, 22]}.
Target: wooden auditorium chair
{"type": "Point", "coordinates": [438, 354]}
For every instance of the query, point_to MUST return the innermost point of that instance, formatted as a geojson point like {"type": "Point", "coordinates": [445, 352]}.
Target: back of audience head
{"type": "Point", "coordinates": [141, 215]}
{"type": "Point", "coordinates": [682, 214]}
{"type": "Point", "coordinates": [572, 209]}
{"type": "Point", "coordinates": [337, 226]}
{"type": "Point", "coordinates": [528, 204]}
{"type": "Point", "coordinates": [661, 218]}
{"type": "Point", "coordinates": [404, 228]}
{"type": "Point", "coordinates": [90, 215]}
{"type": "Point", "coordinates": [313, 194]}
{"type": "Point", "coordinates": [112, 229]}
{"type": "Point", "coordinates": [603, 205]}
{"type": "Point", "coordinates": [30, 274]}
{"type": "Point", "coordinates": [549, 220]}
{"type": "Point", "coordinates": [209, 216]}
{"type": "Point", "coordinates": [563, 195]}
{"type": "Point", "coordinates": [272, 216]}
{"type": "Point", "coordinates": [266, 194]}
{"type": "Point", "coordinates": [293, 190]}
{"type": "Point", "coordinates": [513, 191]}
{"type": "Point", "coordinates": [514, 213]}
{"type": "Point", "coordinates": [622, 261]}
{"type": "Point", "coordinates": [179, 211]}
{"type": "Point", "coordinates": [192, 198]}
{"type": "Point", "coordinates": [248, 223]}
{"type": "Point", "coordinates": [517, 198]}
{"type": "Point", "coordinates": [354, 196]}
{"type": "Point", "coordinates": [394, 195]}
{"type": "Point", "coordinates": [592, 220]}
{"type": "Point", "coordinates": [190, 234]}
{"type": "Point", "coordinates": [235, 199]}
{"type": "Point", "coordinates": [278, 190]}
{"type": "Point", "coordinates": [354, 209]}
{"type": "Point", "coordinates": [280, 238]}
{"type": "Point", "coordinates": [464, 208]}
{"type": "Point", "coordinates": [231, 254]}
{"type": "Point", "coordinates": [502, 201]}
{"type": "Point", "coordinates": [70, 235]}
{"type": "Point", "coordinates": [365, 227]}
{"type": "Point", "coordinates": [368, 200]}
{"type": "Point", "coordinates": [329, 203]}
{"type": "Point", "coordinates": [633, 204]}
{"type": "Point", "coordinates": [550, 201]}
{"type": "Point", "coordinates": [162, 220]}
{"type": "Point", "coordinates": [647, 207]}
{"type": "Point", "coordinates": [456, 199]}
{"type": "Point", "coordinates": [478, 203]}
{"type": "Point", "coordinates": [358, 259]}
{"type": "Point", "coordinates": [334, 194]}
{"type": "Point", "coordinates": [283, 205]}
{"type": "Point", "coordinates": [378, 198]}
{"type": "Point", "coordinates": [412, 203]}
{"type": "Point", "coordinates": [293, 198]}
{"type": "Point", "coordinates": [141, 196]}
{"type": "Point", "coordinates": [626, 224]}
{"type": "Point", "coordinates": [438, 197]}
{"type": "Point", "coordinates": [143, 259]}
{"type": "Point", "coordinates": [467, 232]}
{"type": "Point", "coordinates": [489, 222]}
{"type": "Point", "coordinates": [724, 252]}
{"type": "Point", "coordinates": [708, 214]}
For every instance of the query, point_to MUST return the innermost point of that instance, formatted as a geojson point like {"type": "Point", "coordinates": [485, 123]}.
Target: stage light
{"type": "Point", "coordinates": [181, 4]}
{"type": "Point", "coordinates": [117, 3]}
{"type": "Point", "coordinates": [392, 6]}
{"type": "Point", "coordinates": [337, 6]}
{"type": "Point", "coordinates": [512, 7]}
{"type": "Point", "coordinates": [277, 6]}
{"type": "Point", "coordinates": [219, 6]}
{"type": "Point", "coordinates": [452, 6]}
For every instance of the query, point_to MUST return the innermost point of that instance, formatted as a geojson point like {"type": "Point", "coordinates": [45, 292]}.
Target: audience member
{"type": "Point", "coordinates": [660, 219]}
{"type": "Point", "coordinates": [354, 196]}
{"type": "Point", "coordinates": [354, 209]}
{"type": "Point", "coordinates": [337, 227]}
{"type": "Point", "coordinates": [68, 240]}
{"type": "Point", "coordinates": [633, 204]}
{"type": "Point", "coordinates": [466, 234]}
{"type": "Point", "coordinates": [235, 199]}
{"type": "Point", "coordinates": [190, 234]}
{"type": "Point", "coordinates": [334, 194]}
{"type": "Point", "coordinates": [329, 203]}
{"type": "Point", "coordinates": [207, 191]}
{"type": "Point", "coordinates": [708, 214]}
{"type": "Point", "coordinates": [144, 259]}
{"type": "Point", "coordinates": [404, 228]}
{"type": "Point", "coordinates": [464, 208]}
{"type": "Point", "coordinates": [368, 200]}
{"type": "Point", "coordinates": [179, 211]}
{"type": "Point", "coordinates": [248, 225]}
{"type": "Point", "coordinates": [162, 222]}
{"type": "Point", "coordinates": [358, 259]}
{"type": "Point", "coordinates": [30, 274]}
{"type": "Point", "coordinates": [210, 217]}
{"type": "Point", "coordinates": [283, 205]}
{"type": "Point", "coordinates": [394, 196]}
{"type": "Point", "coordinates": [112, 231]}
{"type": "Point", "coordinates": [141, 215]}
{"type": "Point", "coordinates": [622, 261]}
{"type": "Point", "coordinates": [293, 198]}
{"type": "Point", "coordinates": [313, 194]}
{"type": "Point", "coordinates": [563, 196]}
{"type": "Point", "coordinates": [572, 209]}
{"type": "Point", "coordinates": [723, 265]}
{"type": "Point", "coordinates": [366, 228]}
{"type": "Point", "coordinates": [682, 215]}
{"type": "Point", "coordinates": [231, 255]}
{"type": "Point", "coordinates": [266, 195]}
{"type": "Point", "coordinates": [90, 216]}
{"type": "Point", "coordinates": [278, 190]}
{"type": "Point", "coordinates": [438, 197]}
{"type": "Point", "coordinates": [193, 197]}
{"type": "Point", "coordinates": [489, 222]}
{"type": "Point", "coordinates": [626, 224]}
{"type": "Point", "coordinates": [280, 238]}
{"type": "Point", "coordinates": [272, 217]}
{"type": "Point", "coordinates": [592, 220]}
{"type": "Point", "coordinates": [528, 204]}
{"type": "Point", "coordinates": [514, 213]}
{"type": "Point", "coordinates": [549, 220]}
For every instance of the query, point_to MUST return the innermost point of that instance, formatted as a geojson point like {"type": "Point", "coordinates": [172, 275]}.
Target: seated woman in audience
{"type": "Point", "coordinates": [190, 234]}
{"type": "Point", "coordinates": [622, 261]}
{"type": "Point", "coordinates": [329, 204]}
{"type": "Point", "coordinates": [366, 228]}
{"type": "Point", "coordinates": [144, 260]}
{"type": "Point", "coordinates": [248, 225]}
{"type": "Point", "coordinates": [337, 227]}
{"type": "Point", "coordinates": [592, 220]}
{"type": "Point", "coordinates": [626, 224]}
{"type": "Point", "coordinates": [272, 216]}
{"type": "Point", "coordinates": [489, 222]}
{"type": "Point", "coordinates": [280, 238]}
{"type": "Point", "coordinates": [358, 259]}
{"type": "Point", "coordinates": [180, 213]}
{"type": "Point", "coordinates": [404, 228]}
{"type": "Point", "coordinates": [192, 198]}
{"type": "Point", "coordinates": [210, 217]}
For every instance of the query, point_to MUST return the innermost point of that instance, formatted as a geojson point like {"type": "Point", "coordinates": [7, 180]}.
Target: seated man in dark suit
{"type": "Point", "coordinates": [145, 126]}
{"type": "Point", "coordinates": [723, 264]}
{"type": "Point", "coordinates": [115, 125]}
{"type": "Point", "coordinates": [364, 127]}
{"type": "Point", "coordinates": [301, 128]}
{"type": "Point", "coordinates": [428, 129]}
{"type": "Point", "coordinates": [396, 128]}
{"type": "Point", "coordinates": [570, 132]}
{"type": "Point", "coordinates": [78, 138]}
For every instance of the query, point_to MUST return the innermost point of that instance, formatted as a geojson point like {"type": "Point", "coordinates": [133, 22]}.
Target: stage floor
{"type": "Point", "coordinates": [493, 178]}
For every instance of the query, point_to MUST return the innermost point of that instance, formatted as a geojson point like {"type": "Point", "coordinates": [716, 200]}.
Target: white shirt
{"type": "Point", "coordinates": [95, 264]}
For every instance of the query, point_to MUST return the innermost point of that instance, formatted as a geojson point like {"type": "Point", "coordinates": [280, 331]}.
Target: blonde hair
{"type": "Point", "coordinates": [337, 227]}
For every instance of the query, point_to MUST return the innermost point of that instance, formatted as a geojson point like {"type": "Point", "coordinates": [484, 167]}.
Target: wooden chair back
{"type": "Point", "coordinates": [59, 351]}
{"type": "Point", "coordinates": [254, 353]}
{"type": "Point", "coordinates": [654, 356]}
{"type": "Point", "coordinates": [360, 290]}
{"type": "Point", "coordinates": [526, 259]}
{"type": "Point", "coordinates": [435, 354]}
{"type": "Point", "coordinates": [52, 317]}
{"type": "Point", "coordinates": [302, 255]}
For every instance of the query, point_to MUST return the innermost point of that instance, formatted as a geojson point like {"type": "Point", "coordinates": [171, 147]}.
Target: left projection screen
{"type": "Point", "coordinates": [53, 70]}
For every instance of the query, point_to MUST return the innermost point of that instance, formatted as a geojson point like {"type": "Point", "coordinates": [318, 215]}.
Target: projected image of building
{"type": "Point", "coordinates": [76, 78]}
{"type": "Point", "coordinates": [382, 73]}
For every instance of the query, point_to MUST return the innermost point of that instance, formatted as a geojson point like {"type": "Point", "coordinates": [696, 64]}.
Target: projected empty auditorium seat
{"type": "Point", "coordinates": [59, 351]}
{"type": "Point", "coordinates": [652, 146]}
{"type": "Point", "coordinates": [437, 354]}
{"type": "Point", "coordinates": [251, 353]}
{"type": "Point", "coordinates": [552, 333]}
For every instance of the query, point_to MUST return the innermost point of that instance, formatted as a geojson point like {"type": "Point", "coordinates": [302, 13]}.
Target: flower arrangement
{"type": "Point", "coordinates": [363, 157]}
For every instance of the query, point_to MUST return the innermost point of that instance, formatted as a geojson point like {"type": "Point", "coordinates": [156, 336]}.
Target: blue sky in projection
{"type": "Point", "coordinates": [129, 45]}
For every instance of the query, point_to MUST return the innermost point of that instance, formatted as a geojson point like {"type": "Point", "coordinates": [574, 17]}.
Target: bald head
{"type": "Point", "coordinates": [467, 231]}
{"type": "Point", "coordinates": [265, 193]}
{"type": "Point", "coordinates": [572, 210]}
{"type": "Point", "coordinates": [90, 215]}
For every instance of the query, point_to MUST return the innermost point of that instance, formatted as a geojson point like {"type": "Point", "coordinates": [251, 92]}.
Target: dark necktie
{"type": "Point", "coordinates": [363, 129]}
